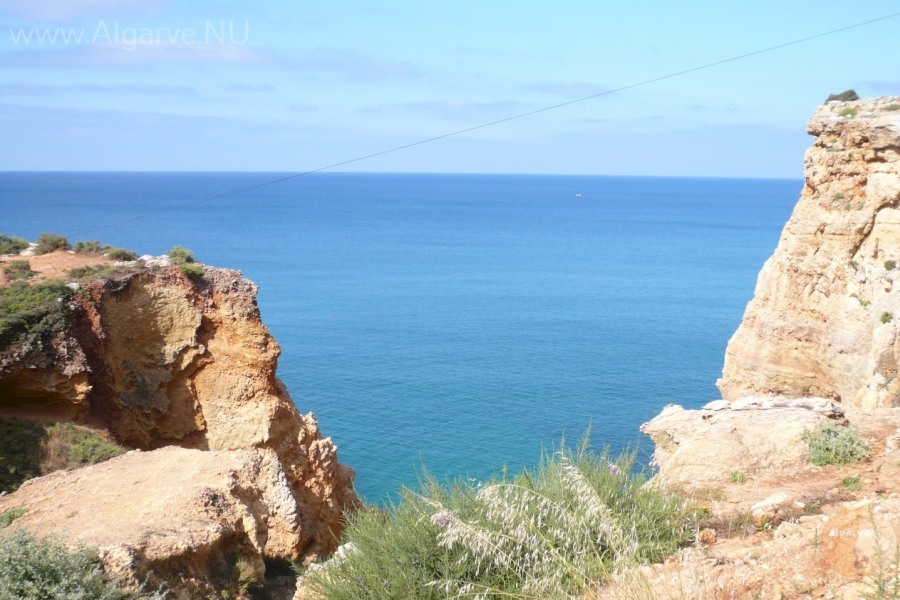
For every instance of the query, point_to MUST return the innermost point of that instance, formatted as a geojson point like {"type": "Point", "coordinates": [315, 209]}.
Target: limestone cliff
{"type": "Point", "coordinates": [825, 315]}
{"type": "Point", "coordinates": [160, 359]}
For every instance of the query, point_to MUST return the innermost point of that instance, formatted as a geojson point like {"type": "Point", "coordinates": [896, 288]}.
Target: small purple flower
{"type": "Point", "coordinates": [442, 518]}
{"type": "Point", "coordinates": [615, 470]}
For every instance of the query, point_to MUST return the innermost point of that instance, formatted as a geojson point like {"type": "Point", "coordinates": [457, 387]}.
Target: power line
{"type": "Point", "coordinates": [507, 119]}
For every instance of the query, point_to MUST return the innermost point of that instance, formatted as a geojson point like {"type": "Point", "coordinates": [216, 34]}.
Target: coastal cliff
{"type": "Point", "coordinates": [825, 316]}
{"type": "Point", "coordinates": [182, 368]}
{"type": "Point", "coordinates": [803, 451]}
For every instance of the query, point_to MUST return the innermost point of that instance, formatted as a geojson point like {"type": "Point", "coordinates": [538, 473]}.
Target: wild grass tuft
{"type": "Point", "coordinates": [737, 477]}
{"type": "Point", "coordinates": [550, 532]}
{"type": "Point", "coordinates": [833, 444]}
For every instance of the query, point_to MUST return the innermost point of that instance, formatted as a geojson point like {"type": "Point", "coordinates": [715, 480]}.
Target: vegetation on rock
{"type": "Point", "coordinates": [833, 444]}
{"type": "Point", "coordinates": [11, 245]}
{"type": "Point", "coordinates": [121, 254]}
{"type": "Point", "coordinates": [32, 449]}
{"type": "Point", "coordinates": [51, 242]}
{"type": "Point", "coordinates": [550, 532]}
{"type": "Point", "coordinates": [18, 269]}
{"type": "Point", "coordinates": [845, 96]}
{"type": "Point", "coordinates": [95, 247]}
{"type": "Point", "coordinates": [31, 310]}
{"type": "Point", "coordinates": [32, 567]}
{"type": "Point", "coordinates": [185, 260]}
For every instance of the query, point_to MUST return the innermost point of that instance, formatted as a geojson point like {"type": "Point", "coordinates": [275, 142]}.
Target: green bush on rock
{"type": "Point", "coordinates": [11, 245]}
{"type": "Point", "coordinates": [833, 444]}
{"type": "Point", "coordinates": [32, 310]}
{"type": "Point", "coordinates": [51, 242]}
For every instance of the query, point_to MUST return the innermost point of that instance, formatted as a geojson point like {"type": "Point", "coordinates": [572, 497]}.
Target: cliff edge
{"type": "Point", "coordinates": [159, 358]}
{"type": "Point", "coordinates": [825, 314]}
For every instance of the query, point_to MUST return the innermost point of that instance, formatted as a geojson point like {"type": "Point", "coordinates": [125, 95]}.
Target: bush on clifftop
{"type": "Point", "coordinates": [11, 245]}
{"type": "Point", "coordinates": [51, 242]}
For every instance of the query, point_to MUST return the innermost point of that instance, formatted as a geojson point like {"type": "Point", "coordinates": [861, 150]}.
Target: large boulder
{"type": "Point", "coordinates": [197, 522]}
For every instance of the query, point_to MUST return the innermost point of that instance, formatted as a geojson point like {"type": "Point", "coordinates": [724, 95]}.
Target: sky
{"type": "Point", "coordinates": [296, 85]}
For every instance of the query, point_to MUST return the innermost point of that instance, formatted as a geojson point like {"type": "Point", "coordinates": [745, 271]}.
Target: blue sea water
{"type": "Point", "coordinates": [456, 322]}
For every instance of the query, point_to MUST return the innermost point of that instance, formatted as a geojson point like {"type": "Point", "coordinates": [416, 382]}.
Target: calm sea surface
{"type": "Point", "coordinates": [460, 322]}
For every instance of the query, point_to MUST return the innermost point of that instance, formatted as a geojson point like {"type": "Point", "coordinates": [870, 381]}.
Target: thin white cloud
{"type": "Point", "coordinates": [26, 88]}
{"type": "Point", "coordinates": [880, 88]}
{"type": "Point", "coordinates": [302, 108]}
{"type": "Point", "coordinates": [249, 88]}
{"type": "Point", "coordinates": [460, 109]}
{"type": "Point", "coordinates": [358, 67]}
{"type": "Point", "coordinates": [569, 90]}
{"type": "Point", "coordinates": [127, 56]}
{"type": "Point", "coordinates": [70, 10]}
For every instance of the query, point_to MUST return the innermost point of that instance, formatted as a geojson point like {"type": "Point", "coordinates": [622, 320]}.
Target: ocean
{"type": "Point", "coordinates": [456, 323]}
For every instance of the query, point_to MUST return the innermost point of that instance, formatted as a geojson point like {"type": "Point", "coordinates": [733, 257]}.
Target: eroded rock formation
{"type": "Point", "coordinates": [196, 522]}
{"type": "Point", "coordinates": [159, 359]}
{"type": "Point", "coordinates": [825, 315]}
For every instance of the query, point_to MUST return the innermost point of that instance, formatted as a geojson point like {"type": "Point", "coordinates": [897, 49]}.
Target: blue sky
{"type": "Point", "coordinates": [297, 85]}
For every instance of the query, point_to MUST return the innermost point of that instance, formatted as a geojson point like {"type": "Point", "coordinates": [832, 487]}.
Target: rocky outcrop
{"type": "Point", "coordinates": [197, 522]}
{"type": "Point", "coordinates": [750, 436]}
{"type": "Point", "coordinates": [825, 315]}
{"type": "Point", "coordinates": [160, 359]}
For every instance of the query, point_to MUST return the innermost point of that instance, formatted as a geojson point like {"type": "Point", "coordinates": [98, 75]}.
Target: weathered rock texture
{"type": "Point", "coordinates": [158, 359]}
{"type": "Point", "coordinates": [197, 521]}
{"type": "Point", "coordinates": [750, 436]}
{"type": "Point", "coordinates": [824, 319]}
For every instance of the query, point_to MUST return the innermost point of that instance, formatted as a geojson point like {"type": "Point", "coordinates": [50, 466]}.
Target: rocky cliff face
{"type": "Point", "coordinates": [158, 359]}
{"type": "Point", "coordinates": [825, 315]}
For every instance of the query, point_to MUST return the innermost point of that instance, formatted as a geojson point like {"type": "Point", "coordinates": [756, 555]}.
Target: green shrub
{"type": "Point", "coordinates": [69, 446]}
{"type": "Point", "coordinates": [551, 532]}
{"type": "Point", "coordinates": [92, 247]}
{"type": "Point", "coordinates": [737, 477]}
{"type": "Point", "coordinates": [181, 256]}
{"type": "Point", "coordinates": [851, 484]}
{"type": "Point", "coordinates": [45, 569]}
{"type": "Point", "coordinates": [91, 271]}
{"type": "Point", "coordinates": [11, 245]}
{"type": "Point", "coordinates": [7, 517]}
{"type": "Point", "coordinates": [848, 112]}
{"type": "Point", "coordinates": [32, 310]}
{"type": "Point", "coordinates": [50, 242]}
{"type": "Point", "coordinates": [18, 269]}
{"type": "Point", "coordinates": [33, 449]}
{"type": "Point", "coordinates": [892, 107]}
{"type": "Point", "coordinates": [890, 265]}
{"type": "Point", "coordinates": [192, 271]}
{"type": "Point", "coordinates": [121, 255]}
{"type": "Point", "coordinates": [845, 96]}
{"type": "Point", "coordinates": [833, 444]}
{"type": "Point", "coordinates": [887, 317]}
{"type": "Point", "coordinates": [20, 453]}
{"type": "Point", "coordinates": [839, 196]}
